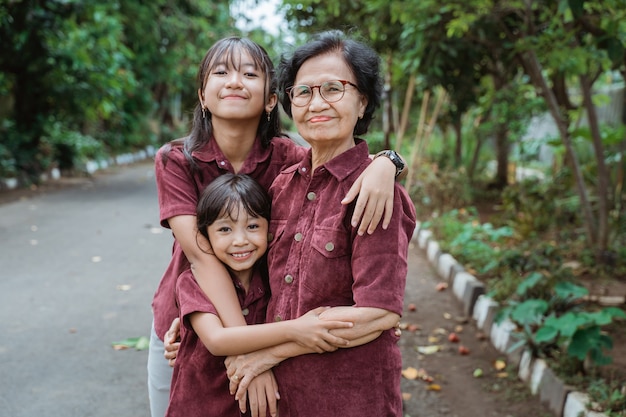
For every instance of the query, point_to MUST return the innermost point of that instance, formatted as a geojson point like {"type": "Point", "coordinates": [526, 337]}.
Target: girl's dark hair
{"type": "Point", "coordinates": [363, 61]}
{"type": "Point", "coordinates": [225, 195]}
{"type": "Point", "coordinates": [229, 49]}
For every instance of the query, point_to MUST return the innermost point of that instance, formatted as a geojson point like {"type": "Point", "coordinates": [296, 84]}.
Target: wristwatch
{"type": "Point", "coordinates": [395, 158]}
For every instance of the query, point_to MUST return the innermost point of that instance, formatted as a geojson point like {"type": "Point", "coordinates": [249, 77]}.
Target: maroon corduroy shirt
{"type": "Point", "coordinates": [317, 259]}
{"type": "Point", "coordinates": [199, 382]}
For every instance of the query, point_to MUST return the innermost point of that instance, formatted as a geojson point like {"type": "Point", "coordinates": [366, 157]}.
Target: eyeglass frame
{"type": "Point", "coordinates": [288, 90]}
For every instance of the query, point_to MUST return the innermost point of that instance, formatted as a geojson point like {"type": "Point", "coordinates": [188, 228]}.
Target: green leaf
{"type": "Point", "coordinates": [139, 343]}
{"type": "Point", "coordinates": [529, 312]}
{"type": "Point", "coordinates": [546, 334]}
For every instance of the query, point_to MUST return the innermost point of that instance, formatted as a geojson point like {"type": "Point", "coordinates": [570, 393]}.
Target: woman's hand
{"type": "Point", "coordinates": [262, 395]}
{"type": "Point", "coordinates": [242, 369]}
{"type": "Point", "coordinates": [171, 342]}
{"type": "Point", "coordinates": [374, 188]}
{"type": "Point", "coordinates": [312, 332]}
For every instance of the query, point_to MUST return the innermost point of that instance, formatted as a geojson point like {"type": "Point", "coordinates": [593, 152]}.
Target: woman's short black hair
{"type": "Point", "coordinates": [363, 61]}
{"type": "Point", "coordinates": [225, 195]}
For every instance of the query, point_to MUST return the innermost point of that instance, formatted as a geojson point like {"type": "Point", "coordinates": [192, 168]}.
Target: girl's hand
{"type": "Point", "coordinates": [171, 342]}
{"type": "Point", "coordinates": [312, 332]}
{"type": "Point", "coordinates": [374, 188]}
{"type": "Point", "coordinates": [262, 395]}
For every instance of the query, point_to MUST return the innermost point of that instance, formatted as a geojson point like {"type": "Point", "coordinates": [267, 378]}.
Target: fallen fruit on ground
{"type": "Point", "coordinates": [463, 350]}
{"type": "Point", "coordinates": [453, 337]}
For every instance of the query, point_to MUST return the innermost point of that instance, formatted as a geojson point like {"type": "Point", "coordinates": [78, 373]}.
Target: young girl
{"type": "Point", "coordinates": [232, 215]}
{"type": "Point", "coordinates": [235, 129]}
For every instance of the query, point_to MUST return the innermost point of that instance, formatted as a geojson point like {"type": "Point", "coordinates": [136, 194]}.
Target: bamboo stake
{"type": "Point", "coordinates": [418, 133]}
{"type": "Point", "coordinates": [408, 96]}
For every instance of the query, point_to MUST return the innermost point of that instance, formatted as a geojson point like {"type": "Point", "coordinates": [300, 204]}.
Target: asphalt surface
{"type": "Point", "coordinates": [78, 268]}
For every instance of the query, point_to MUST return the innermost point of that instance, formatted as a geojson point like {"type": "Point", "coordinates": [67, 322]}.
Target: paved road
{"type": "Point", "coordinates": [78, 268]}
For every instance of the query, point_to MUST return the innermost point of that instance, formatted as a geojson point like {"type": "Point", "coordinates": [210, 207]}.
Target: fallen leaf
{"type": "Point", "coordinates": [453, 337]}
{"type": "Point", "coordinates": [477, 373]}
{"type": "Point", "coordinates": [499, 365]}
{"type": "Point", "coordinates": [429, 350]}
{"type": "Point", "coordinates": [119, 347]}
{"type": "Point", "coordinates": [502, 374]}
{"type": "Point", "coordinates": [406, 396]}
{"type": "Point", "coordinates": [433, 339]}
{"type": "Point", "coordinates": [447, 316]}
{"type": "Point", "coordinates": [458, 328]}
{"type": "Point", "coordinates": [413, 327]}
{"type": "Point", "coordinates": [410, 373]}
{"type": "Point", "coordinates": [404, 326]}
{"type": "Point", "coordinates": [434, 387]}
{"type": "Point", "coordinates": [139, 343]}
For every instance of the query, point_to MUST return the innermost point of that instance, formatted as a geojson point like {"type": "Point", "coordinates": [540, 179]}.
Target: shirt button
{"type": "Point", "coordinates": [245, 311]}
{"type": "Point", "coordinates": [288, 279]}
{"type": "Point", "coordinates": [311, 196]}
{"type": "Point", "coordinates": [330, 246]}
{"type": "Point", "coordinates": [222, 163]}
{"type": "Point", "coordinates": [298, 237]}
{"type": "Point", "coordinates": [278, 318]}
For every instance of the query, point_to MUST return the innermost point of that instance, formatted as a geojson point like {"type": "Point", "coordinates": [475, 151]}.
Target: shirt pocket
{"type": "Point", "coordinates": [329, 270]}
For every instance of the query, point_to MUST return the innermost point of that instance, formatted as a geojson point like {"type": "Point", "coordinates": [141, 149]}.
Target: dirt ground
{"type": "Point", "coordinates": [445, 385]}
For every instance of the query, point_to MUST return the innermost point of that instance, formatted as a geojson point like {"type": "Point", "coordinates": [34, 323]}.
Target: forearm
{"type": "Point", "coordinates": [222, 341]}
{"type": "Point", "coordinates": [369, 323]}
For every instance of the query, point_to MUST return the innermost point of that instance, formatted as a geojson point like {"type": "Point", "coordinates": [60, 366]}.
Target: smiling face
{"type": "Point", "coordinates": [328, 127]}
{"type": "Point", "coordinates": [236, 88]}
{"type": "Point", "coordinates": [238, 239]}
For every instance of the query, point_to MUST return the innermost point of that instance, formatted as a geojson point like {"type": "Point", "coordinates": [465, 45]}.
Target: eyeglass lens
{"type": "Point", "coordinates": [331, 91]}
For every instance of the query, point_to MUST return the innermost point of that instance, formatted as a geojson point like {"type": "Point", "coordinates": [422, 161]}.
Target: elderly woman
{"type": "Point", "coordinates": [316, 258]}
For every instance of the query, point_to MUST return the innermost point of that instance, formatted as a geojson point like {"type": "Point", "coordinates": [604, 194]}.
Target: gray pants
{"type": "Point", "coordinates": [159, 376]}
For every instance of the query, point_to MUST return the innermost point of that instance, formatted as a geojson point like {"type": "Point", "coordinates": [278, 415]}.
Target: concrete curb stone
{"type": "Point", "coordinates": [470, 292]}
{"type": "Point", "coordinates": [89, 167]}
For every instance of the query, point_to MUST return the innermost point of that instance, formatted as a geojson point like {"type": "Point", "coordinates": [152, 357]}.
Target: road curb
{"type": "Point", "coordinates": [559, 397]}
{"type": "Point", "coordinates": [88, 167]}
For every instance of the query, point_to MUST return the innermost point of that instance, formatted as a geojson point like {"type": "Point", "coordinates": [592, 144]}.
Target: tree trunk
{"type": "Point", "coordinates": [533, 68]}
{"type": "Point", "coordinates": [502, 158]}
{"type": "Point", "coordinates": [603, 188]}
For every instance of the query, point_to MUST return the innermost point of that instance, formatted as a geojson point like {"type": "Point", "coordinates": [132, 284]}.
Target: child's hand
{"type": "Point", "coordinates": [171, 342]}
{"type": "Point", "coordinates": [314, 333]}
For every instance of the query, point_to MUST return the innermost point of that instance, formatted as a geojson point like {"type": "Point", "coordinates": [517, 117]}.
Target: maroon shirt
{"type": "Point", "coordinates": [317, 259]}
{"type": "Point", "coordinates": [199, 383]}
{"type": "Point", "coordinates": [178, 190]}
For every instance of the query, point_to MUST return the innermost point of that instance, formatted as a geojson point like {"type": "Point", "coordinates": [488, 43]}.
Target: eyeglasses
{"type": "Point", "coordinates": [331, 91]}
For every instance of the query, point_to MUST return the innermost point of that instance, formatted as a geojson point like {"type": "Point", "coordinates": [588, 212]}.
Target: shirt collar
{"type": "Point", "coordinates": [342, 165]}
{"type": "Point", "coordinates": [212, 152]}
